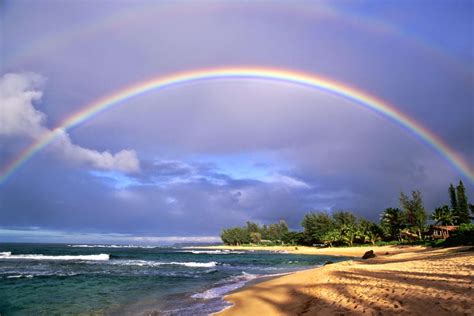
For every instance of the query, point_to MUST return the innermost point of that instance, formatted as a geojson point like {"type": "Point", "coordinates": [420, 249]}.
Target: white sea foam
{"type": "Point", "coordinates": [99, 257]}
{"type": "Point", "coordinates": [214, 252]}
{"type": "Point", "coordinates": [111, 246]}
{"type": "Point", "coordinates": [228, 285]}
{"type": "Point", "coordinates": [144, 263]}
{"type": "Point", "coordinates": [196, 264]}
{"type": "Point", "coordinates": [40, 274]}
{"type": "Point", "coordinates": [209, 252]}
{"type": "Point", "coordinates": [231, 284]}
{"type": "Point", "coordinates": [19, 276]}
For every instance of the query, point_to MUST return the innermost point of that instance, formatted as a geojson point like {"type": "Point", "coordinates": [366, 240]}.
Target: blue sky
{"type": "Point", "coordinates": [185, 162]}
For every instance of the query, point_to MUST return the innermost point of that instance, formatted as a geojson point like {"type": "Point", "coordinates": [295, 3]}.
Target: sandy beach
{"type": "Point", "coordinates": [406, 281]}
{"type": "Point", "coordinates": [335, 251]}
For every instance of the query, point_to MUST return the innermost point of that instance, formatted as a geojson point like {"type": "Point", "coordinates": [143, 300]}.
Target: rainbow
{"type": "Point", "coordinates": [288, 76]}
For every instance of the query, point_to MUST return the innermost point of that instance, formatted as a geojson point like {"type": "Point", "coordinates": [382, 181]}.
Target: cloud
{"type": "Point", "coordinates": [18, 115]}
{"type": "Point", "coordinates": [124, 160]}
{"type": "Point", "coordinates": [321, 152]}
{"type": "Point", "coordinates": [19, 118]}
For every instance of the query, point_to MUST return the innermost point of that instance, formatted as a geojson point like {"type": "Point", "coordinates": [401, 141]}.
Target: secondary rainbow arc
{"type": "Point", "coordinates": [288, 76]}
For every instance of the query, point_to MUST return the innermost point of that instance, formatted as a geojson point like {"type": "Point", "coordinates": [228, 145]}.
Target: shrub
{"type": "Point", "coordinates": [463, 236]}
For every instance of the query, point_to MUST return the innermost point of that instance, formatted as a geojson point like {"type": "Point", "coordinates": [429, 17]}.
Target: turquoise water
{"type": "Point", "coordinates": [52, 279]}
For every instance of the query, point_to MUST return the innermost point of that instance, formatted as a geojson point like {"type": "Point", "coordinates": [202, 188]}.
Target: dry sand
{"type": "Point", "coordinates": [337, 251]}
{"type": "Point", "coordinates": [414, 281]}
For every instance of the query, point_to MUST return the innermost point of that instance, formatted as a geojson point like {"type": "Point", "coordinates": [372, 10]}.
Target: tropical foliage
{"type": "Point", "coordinates": [443, 216]}
{"type": "Point", "coordinates": [253, 233]}
{"type": "Point", "coordinates": [342, 227]}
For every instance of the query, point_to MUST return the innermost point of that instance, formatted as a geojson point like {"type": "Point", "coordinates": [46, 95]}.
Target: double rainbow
{"type": "Point", "coordinates": [288, 76]}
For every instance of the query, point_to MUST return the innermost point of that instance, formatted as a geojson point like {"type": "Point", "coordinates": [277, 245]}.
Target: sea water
{"type": "Point", "coordinates": [47, 279]}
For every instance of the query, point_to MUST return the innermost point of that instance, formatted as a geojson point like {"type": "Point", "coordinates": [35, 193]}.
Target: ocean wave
{"type": "Point", "coordinates": [231, 284]}
{"type": "Point", "coordinates": [19, 276]}
{"type": "Point", "coordinates": [226, 286]}
{"type": "Point", "coordinates": [144, 263]}
{"type": "Point", "coordinates": [111, 246]}
{"type": "Point", "coordinates": [196, 264]}
{"type": "Point", "coordinates": [32, 275]}
{"type": "Point", "coordinates": [99, 257]}
{"type": "Point", "coordinates": [213, 252]}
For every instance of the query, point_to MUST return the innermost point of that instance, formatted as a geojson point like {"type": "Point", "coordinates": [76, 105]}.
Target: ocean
{"type": "Point", "coordinates": [60, 279]}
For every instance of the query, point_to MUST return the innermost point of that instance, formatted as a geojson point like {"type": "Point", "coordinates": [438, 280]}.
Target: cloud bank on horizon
{"type": "Point", "coordinates": [207, 155]}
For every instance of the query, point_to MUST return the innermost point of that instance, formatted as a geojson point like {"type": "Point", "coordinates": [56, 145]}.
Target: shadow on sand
{"type": "Point", "coordinates": [357, 291]}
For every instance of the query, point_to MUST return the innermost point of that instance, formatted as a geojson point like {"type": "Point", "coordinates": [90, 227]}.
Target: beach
{"type": "Point", "coordinates": [398, 281]}
{"type": "Point", "coordinates": [327, 251]}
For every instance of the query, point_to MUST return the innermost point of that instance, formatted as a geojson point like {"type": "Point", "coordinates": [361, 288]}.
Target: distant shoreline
{"type": "Point", "coordinates": [391, 284]}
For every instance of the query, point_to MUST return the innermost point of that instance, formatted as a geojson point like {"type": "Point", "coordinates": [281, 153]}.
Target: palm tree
{"type": "Point", "coordinates": [443, 215]}
{"type": "Point", "coordinates": [369, 231]}
{"type": "Point", "coordinates": [331, 237]}
{"type": "Point", "coordinates": [391, 221]}
{"type": "Point", "coordinates": [348, 233]}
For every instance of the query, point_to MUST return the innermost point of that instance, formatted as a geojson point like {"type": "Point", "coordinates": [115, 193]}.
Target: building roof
{"type": "Point", "coordinates": [448, 228]}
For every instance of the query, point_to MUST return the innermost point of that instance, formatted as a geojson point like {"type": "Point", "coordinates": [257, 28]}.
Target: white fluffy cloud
{"type": "Point", "coordinates": [19, 118]}
{"type": "Point", "coordinates": [17, 113]}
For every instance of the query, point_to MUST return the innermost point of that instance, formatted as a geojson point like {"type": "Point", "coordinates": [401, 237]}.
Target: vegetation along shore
{"type": "Point", "coordinates": [413, 268]}
{"type": "Point", "coordinates": [451, 225]}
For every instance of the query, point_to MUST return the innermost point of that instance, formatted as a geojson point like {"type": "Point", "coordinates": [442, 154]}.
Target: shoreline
{"type": "Point", "coordinates": [354, 252]}
{"type": "Point", "coordinates": [250, 283]}
{"type": "Point", "coordinates": [390, 284]}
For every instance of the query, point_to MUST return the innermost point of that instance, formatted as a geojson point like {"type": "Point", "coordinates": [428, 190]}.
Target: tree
{"type": "Point", "coordinates": [443, 215]}
{"type": "Point", "coordinates": [342, 218]}
{"type": "Point", "coordinates": [414, 211]}
{"type": "Point", "coordinates": [315, 226]}
{"type": "Point", "coordinates": [391, 221]}
{"type": "Point", "coordinates": [369, 232]}
{"type": "Point", "coordinates": [252, 227]}
{"type": "Point", "coordinates": [264, 232]}
{"type": "Point", "coordinates": [235, 236]}
{"type": "Point", "coordinates": [293, 238]}
{"type": "Point", "coordinates": [348, 233]}
{"type": "Point", "coordinates": [276, 231]}
{"type": "Point", "coordinates": [462, 211]}
{"type": "Point", "coordinates": [345, 223]}
{"type": "Point", "coordinates": [331, 237]}
{"type": "Point", "coordinates": [255, 237]}
{"type": "Point", "coordinates": [452, 197]}
{"type": "Point", "coordinates": [282, 229]}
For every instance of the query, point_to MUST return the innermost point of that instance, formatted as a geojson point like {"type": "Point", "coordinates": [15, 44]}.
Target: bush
{"type": "Point", "coordinates": [462, 237]}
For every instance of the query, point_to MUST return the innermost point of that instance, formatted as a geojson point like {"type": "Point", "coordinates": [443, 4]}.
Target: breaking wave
{"type": "Point", "coordinates": [111, 246]}
{"type": "Point", "coordinates": [99, 257]}
{"type": "Point", "coordinates": [226, 286]}
{"type": "Point", "coordinates": [32, 275]}
{"type": "Point", "coordinates": [214, 252]}
{"type": "Point", "coordinates": [230, 284]}
{"type": "Point", "coordinates": [144, 263]}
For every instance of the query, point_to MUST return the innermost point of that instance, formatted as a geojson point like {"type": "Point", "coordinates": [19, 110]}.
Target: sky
{"type": "Point", "coordinates": [182, 163]}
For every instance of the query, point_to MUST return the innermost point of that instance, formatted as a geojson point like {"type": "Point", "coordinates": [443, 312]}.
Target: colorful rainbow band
{"type": "Point", "coordinates": [287, 76]}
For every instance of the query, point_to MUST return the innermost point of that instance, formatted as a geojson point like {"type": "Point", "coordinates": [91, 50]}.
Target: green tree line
{"type": "Point", "coordinates": [408, 222]}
